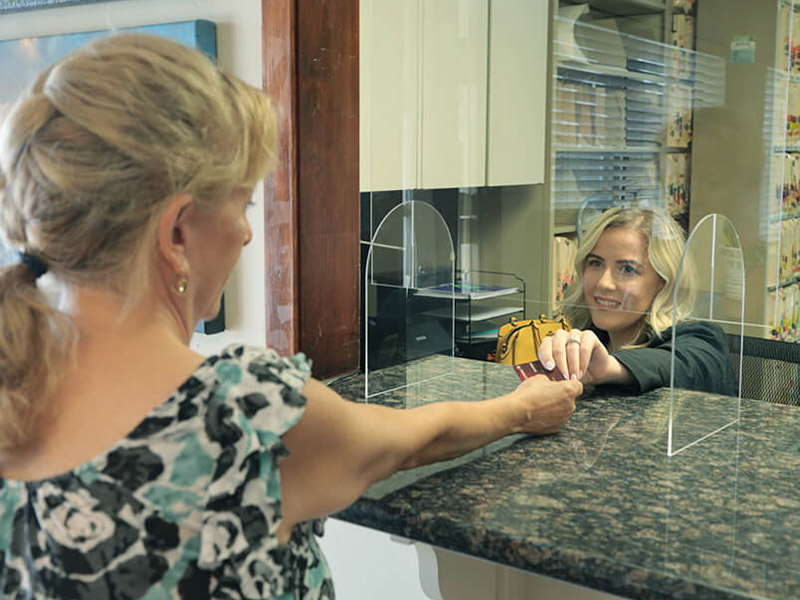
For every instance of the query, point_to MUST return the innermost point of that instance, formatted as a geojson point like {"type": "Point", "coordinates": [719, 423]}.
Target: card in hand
{"type": "Point", "coordinates": [529, 369]}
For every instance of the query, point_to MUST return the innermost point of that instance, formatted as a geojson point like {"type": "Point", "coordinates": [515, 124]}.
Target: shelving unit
{"type": "Point", "coordinates": [611, 71]}
{"type": "Point", "coordinates": [483, 301]}
{"type": "Point", "coordinates": [783, 290]}
{"type": "Point", "coordinates": [625, 7]}
{"type": "Point", "coordinates": [611, 112]}
{"type": "Point", "coordinates": [610, 149]}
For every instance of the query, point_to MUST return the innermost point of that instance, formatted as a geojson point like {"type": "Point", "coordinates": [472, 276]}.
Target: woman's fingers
{"type": "Point", "coordinates": [589, 344]}
{"type": "Point", "coordinates": [564, 348]}
{"type": "Point", "coordinates": [570, 352]}
{"type": "Point", "coordinates": [572, 348]}
{"type": "Point", "coordinates": [545, 354]}
{"type": "Point", "coordinates": [558, 343]}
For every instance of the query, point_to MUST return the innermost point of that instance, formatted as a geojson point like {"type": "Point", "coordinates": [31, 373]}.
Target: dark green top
{"type": "Point", "coordinates": [702, 360]}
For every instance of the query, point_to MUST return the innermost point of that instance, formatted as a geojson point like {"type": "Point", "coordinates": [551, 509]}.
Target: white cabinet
{"type": "Point", "coordinates": [517, 88]}
{"type": "Point", "coordinates": [449, 96]}
{"type": "Point", "coordinates": [454, 62]}
{"type": "Point", "coordinates": [389, 94]}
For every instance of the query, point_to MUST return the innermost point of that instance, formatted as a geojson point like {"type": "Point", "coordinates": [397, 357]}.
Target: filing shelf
{"type": "Point", "coordinates": [625, 157]}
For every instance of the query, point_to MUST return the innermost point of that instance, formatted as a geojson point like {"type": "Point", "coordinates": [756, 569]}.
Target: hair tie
{"type": "Point", "coordinates": [36, 265]}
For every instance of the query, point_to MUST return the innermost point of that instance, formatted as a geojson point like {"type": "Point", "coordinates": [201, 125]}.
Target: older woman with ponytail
{"type": "Point", "coordinates": [130, 466]}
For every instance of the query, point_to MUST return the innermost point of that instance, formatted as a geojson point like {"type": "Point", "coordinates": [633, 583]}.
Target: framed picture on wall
{"type": "Point", "coordinates": [20, 5]}
{"type": "Point", "coordinates": [24, 59]}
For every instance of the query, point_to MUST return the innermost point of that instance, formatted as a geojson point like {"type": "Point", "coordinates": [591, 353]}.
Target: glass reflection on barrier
{"type": "Point", "coordinates": [708, 300]}
{"type": "Point", "coordinates": [409, 298]}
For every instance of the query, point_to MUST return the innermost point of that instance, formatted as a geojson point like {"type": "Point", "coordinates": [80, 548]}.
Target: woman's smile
{"type": "Point", "coordinates": [607, 303]}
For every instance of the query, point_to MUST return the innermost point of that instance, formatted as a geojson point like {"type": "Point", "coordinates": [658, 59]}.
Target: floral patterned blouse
{"type": "Point", "coordinates": [186, 506]}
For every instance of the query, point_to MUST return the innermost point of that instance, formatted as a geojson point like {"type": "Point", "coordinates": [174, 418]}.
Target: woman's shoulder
{"type": "Point", "coordinates": [241, 362]}
{"type": "Point", "coordinates": [238, 383]}
{"type": "Point", "coordinates": [236, 393]}
{"type": "Point", "coordinates": [249, 386]}
{"type": "Point", "coordinates": [700, 329]}
{"type": "Point", "coordinates": [238, 400]}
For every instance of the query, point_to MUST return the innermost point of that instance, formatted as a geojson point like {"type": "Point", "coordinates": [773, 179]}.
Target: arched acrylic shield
{"type": "Point", "coordinates": [409, 299]}
{"type": "Point", "coordinates": [708, 314]}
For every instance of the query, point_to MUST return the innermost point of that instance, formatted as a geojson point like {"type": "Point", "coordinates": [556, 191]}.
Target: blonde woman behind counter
{"type": "Point", "coordinates": [130, 466]}
{"type": "Point", "coordinates": [621, 308]}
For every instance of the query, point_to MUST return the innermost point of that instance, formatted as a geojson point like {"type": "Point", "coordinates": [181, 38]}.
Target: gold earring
{"type": "Point", "coordinates": [181, 284]}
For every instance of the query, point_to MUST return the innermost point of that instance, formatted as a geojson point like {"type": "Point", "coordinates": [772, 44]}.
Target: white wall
{"type": "Point", "coordinates": [369, 565]}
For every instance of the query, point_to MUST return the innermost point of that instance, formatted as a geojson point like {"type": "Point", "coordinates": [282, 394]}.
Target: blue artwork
{"type": "Point", "coordinates": [23, 59]}
{"type": "Point", "coordinates": [20, 5]}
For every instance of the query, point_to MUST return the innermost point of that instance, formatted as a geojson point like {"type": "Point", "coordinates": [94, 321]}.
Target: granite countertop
{"type": "Point", "coordinates": [600, 504]}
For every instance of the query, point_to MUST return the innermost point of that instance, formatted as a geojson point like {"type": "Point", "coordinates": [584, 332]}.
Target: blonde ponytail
{"type": "Point", "coordinates": [34, 342]}
{"type": "Point", "coordinates": [89, 156]}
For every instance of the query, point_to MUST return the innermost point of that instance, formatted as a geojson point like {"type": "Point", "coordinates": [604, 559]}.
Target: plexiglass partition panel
{"type": "Point", "coordinates": [708, 311]}
{"type": "Point", "coordinates": [409, 296]}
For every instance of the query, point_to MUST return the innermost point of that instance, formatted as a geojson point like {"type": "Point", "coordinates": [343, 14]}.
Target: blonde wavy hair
{"type": "Point", "coordinates": [665, 242]}
{"type": "Point", "coordinates": [89, 156]}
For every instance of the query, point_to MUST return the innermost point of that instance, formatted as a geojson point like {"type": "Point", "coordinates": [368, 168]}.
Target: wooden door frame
{"type": "Point", "coordinates": [310, 68]}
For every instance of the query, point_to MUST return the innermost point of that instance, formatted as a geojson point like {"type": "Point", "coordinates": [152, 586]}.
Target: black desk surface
{"type": "Point", "coordinates": [600, 504]}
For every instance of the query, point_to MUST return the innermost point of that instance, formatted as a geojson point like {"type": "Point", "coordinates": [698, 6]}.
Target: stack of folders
{"type": "Point", "coordinates": [564, 252]}
{"type": "Point", "coordinates": [789, 39]}
{"type": "Point", "coordinates": [685, 6]}
{"type": "Point", "coordinates": [789, 248]}
{"type": "Point", "coordinates": [784, 36]}
{"type": "Point", "coordinates": [677, 183]}
{"type": "Point", "coordinates": [783, 306]}
{"type": "Point", "coordinates": [588, 115]}
{"type": "Point", "coordinates": [786, 173]}
{"type": "Point", "coordinates": [679, 111]}
{"type": "Point", "coordinates": [783, 313]}
{"type": "Point", "coordinates": [794, 46]}
{"type": "Point", "coordinates": [682, 39]}
{"type": "Point", "coordinates": [784, 252]}
{"type": "Point", "coordinates": [792, 110]}
{"type": "Point", "coordinates": [645, 114]}
{"type": "Point", "coordinates": [565, 111]}
{"type": "Point", "coordinates": [780, 112]}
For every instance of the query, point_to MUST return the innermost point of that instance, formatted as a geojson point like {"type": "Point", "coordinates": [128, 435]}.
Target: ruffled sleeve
{"type": "Point", "coordinates": [257, 400]}
{"type": "Point", "coordinates": [9, 504]}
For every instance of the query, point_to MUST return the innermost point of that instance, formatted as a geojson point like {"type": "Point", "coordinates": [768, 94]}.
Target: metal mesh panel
{"type": "Point", "coordinates": [770, 369]}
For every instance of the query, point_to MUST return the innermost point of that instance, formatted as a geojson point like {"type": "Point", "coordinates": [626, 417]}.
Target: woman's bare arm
{"type": "Point", "coordinates": [338, 448]}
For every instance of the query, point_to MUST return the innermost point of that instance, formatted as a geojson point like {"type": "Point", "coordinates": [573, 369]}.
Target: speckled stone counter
{"type": "Point", "coordinates": [601, 504]}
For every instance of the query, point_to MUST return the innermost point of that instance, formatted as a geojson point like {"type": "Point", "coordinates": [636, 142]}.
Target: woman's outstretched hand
{"type": "Point", "coordinates": [579, 354]}
{"type": "Point", "coordinates": [338, 448]}
{"type": "Point", "coordinates": [547, 404]}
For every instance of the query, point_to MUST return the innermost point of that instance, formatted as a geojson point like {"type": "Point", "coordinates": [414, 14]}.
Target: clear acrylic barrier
{"type": "Point", "coordinates": [709, 289]}
{"type": "Point", "coordinates": [409, 296]}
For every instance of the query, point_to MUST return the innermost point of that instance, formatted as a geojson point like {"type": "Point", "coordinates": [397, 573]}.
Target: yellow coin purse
{"type": "Point", "coordinates": [518, 341]}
